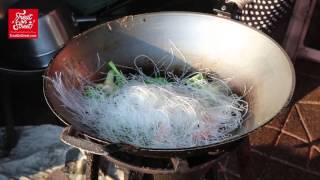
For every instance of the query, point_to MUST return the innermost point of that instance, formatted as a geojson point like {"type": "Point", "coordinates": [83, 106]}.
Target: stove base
{"type": "Point", "coordinates": [202, 167]}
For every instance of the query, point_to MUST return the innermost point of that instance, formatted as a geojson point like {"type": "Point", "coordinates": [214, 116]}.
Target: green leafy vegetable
{"type": "Point", "coordinates": [92, 92]}
{"type": "Point", "coordinates": [157, 80]}
{"type": "Point", "coordinates": [120, 79]}
{"type": "Point", "coordinates": [196, 80]}
{"type": "Point", "coordinates": [109, 79]}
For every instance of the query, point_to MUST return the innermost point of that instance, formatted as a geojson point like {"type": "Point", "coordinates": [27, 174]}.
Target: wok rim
{"type": "Point", "coordinates": [189, 149]}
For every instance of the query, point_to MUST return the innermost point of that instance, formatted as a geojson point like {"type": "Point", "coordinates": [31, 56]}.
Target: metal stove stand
{"type": "Point", "coordinates": [202, 166]}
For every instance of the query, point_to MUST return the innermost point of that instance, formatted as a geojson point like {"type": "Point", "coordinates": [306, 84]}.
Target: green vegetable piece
{"type": "Point", "coordinates": [91, 92]}
{"type": "Point", "coordinates": [157, 80]}
{"type": "Point", "coordinates": [161, 80]}
{"type": "Point", "coordinates": [120, 79]}
{"type": "Point", "coordinates": [109, 79]}
{"type": "Point", "coordinates": [196, 80]}
{"type": "Point", "coordinates": [114, 68]}
{"type": "Point", "coordinates": [88, 92]}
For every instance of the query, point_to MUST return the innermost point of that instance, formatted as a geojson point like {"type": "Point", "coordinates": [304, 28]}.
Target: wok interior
{"type": "Point", "coordinates": [254, 64]}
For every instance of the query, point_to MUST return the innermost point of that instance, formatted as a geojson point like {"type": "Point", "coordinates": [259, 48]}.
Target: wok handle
{"type": "Point", "coordinates": [69, 136]}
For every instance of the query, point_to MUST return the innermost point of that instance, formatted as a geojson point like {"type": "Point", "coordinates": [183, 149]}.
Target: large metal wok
{"type": "Point", "coordinates": [251, 60]}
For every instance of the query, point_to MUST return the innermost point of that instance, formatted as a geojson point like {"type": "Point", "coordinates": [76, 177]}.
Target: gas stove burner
{"type": "Point", "coordinates": [137, 166]}
{"type": "Point", "coordinates": [172, 168]}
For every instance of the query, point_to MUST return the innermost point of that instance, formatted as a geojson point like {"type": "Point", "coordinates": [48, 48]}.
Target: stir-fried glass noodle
{"type": "Point", "coordinates": [155, 111]}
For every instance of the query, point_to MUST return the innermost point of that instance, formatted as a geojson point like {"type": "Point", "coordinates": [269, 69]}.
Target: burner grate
{"type": "Point", "coordinates": [139, 167]}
